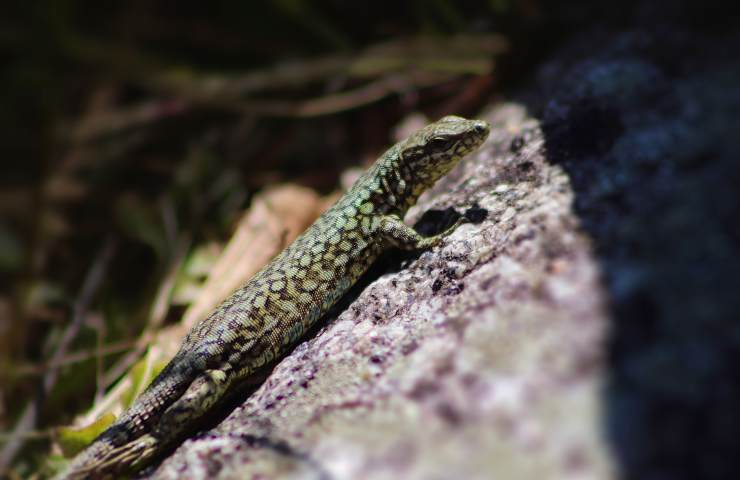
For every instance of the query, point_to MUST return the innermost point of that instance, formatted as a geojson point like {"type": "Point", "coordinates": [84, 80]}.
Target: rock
{"type": "Point", "coordinates": [483, 355]}
{"type": "Point", "coordinates": [646, 128]}
{"type": "Point", "coordinates": [586, 327]}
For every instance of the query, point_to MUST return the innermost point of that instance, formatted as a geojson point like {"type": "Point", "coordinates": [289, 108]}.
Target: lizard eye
{"type": "Point", "coordinates": [441, 144]}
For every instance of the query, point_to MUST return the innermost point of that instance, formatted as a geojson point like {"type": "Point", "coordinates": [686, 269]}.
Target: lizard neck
{"type": "Point", "coordinates": [391, 186]}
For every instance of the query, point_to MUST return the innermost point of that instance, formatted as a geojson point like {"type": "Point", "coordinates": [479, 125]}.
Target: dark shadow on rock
{"type": "Point", "coordinates": [645, 123]}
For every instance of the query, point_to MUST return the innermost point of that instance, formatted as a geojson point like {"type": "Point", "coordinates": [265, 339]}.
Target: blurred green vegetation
{"type": "Point", "coordinates": [135, 133]}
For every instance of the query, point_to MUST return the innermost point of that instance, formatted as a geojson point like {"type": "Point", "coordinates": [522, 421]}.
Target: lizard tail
{"type": "Point", "coordinates": [129, 436]}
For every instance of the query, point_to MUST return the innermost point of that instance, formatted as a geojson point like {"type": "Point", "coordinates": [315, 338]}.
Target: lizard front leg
{"type": "Point", "coordinates": [398, 234]}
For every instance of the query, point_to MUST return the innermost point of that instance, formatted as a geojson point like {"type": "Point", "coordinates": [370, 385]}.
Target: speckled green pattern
{"type": "Point", "coordinates": [262, 319]}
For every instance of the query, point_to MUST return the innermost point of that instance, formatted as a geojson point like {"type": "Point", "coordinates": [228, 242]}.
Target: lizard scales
{"type": "Point", "coordinates": [272, 310]}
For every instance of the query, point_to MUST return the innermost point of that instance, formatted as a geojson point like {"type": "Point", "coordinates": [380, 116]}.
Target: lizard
{"type": "Point", "coordinates": [268, 314]}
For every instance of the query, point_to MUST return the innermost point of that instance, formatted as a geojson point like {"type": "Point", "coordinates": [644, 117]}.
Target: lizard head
{"type": "Point", "coordinates": [432, 151]}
